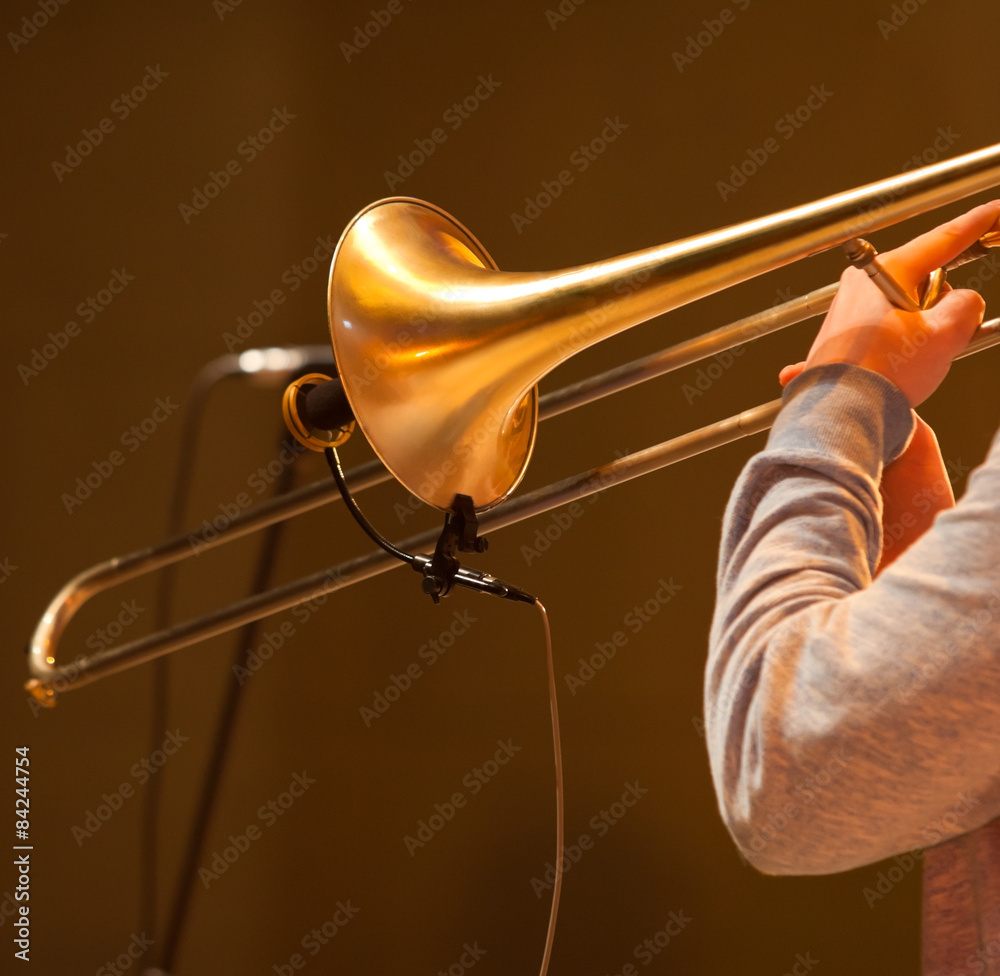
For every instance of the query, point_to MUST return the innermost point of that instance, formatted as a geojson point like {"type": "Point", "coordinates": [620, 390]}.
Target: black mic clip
{"type": "Point", "coordinates": [442, 571]}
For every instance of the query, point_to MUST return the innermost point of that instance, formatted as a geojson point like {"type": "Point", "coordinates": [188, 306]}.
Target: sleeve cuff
{"type": "Point", "coordinates": [847, 411]}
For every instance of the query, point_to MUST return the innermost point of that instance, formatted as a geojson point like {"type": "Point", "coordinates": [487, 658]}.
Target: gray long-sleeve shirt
{"type": "Point", "coordinates": [850, 719]}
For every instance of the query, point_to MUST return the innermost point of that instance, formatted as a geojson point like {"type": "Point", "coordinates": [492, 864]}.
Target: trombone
{"type": "Point", "coordinates": [439, 355]}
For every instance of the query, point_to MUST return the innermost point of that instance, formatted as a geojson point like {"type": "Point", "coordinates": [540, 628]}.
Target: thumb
{"type": "Point", "coordinates": [790, 372]}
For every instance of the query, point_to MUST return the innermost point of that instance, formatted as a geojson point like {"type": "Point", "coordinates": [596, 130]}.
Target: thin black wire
{"type": "Point", "coordinates": [215, 768]}
{"type": "Point", "coordinates": [333, 459]}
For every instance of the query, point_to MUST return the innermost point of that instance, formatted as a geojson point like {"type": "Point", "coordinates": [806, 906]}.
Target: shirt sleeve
{"type": "Point", "coordinates": [848, 719]}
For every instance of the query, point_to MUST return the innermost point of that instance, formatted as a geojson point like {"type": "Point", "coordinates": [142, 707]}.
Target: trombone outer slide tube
{"type": "Point", "coordinates": [54, 678]}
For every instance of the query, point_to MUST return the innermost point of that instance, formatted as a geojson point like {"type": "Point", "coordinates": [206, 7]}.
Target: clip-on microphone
{"type": "Point", "coordinates": [317, 413]}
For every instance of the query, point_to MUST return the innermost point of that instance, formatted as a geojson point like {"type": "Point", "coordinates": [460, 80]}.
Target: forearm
{"type": "Point", "coordinates": [821, 684]}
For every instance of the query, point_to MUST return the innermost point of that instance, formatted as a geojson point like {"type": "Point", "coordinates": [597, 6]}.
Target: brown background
{"type": "Point", "coordinates": [637, 719]}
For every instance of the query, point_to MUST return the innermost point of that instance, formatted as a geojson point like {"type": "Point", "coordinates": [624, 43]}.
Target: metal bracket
{"type": "Point", "coordinates": [460, 534]}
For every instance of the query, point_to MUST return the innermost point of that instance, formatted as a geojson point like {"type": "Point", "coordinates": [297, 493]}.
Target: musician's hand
{"type": "Point", "coordinates": [913, 350]}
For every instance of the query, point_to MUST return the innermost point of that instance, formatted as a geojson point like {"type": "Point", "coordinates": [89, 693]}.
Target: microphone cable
{"type": "Point", "coordinates": [550, 935]}
{"type": "Point", "coordinates": [484, 583]}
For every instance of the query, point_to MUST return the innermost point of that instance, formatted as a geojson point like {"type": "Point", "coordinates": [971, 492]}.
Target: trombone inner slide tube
{"type": "Point", "coordinates": [51, 678]}
{"type": "Point", "coordinates": [440, 352]}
